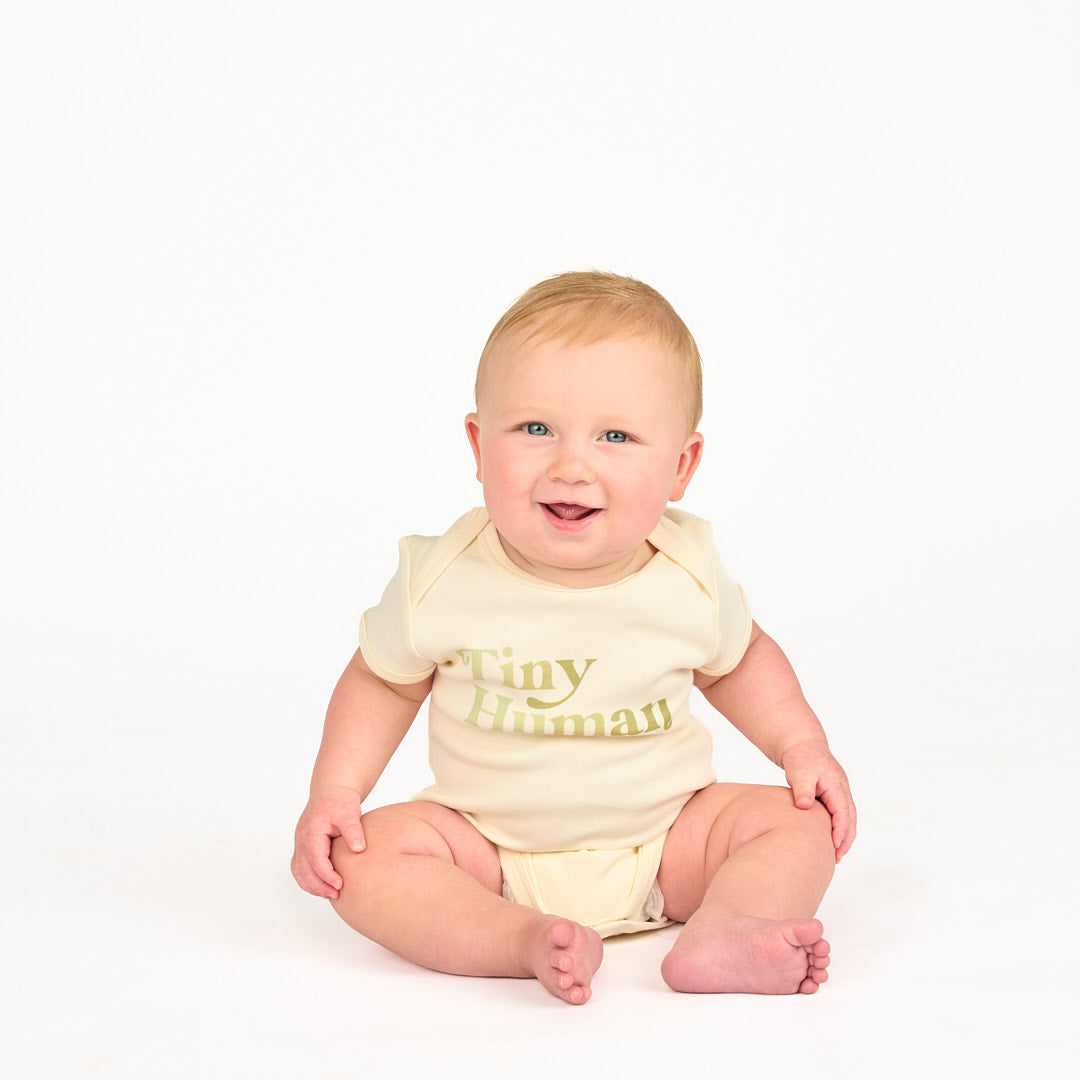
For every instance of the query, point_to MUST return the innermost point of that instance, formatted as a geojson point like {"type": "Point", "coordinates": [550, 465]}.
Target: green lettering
{"type": "Point", "coordinates": [575, 681]}
{"type": "Point", "coordinates": [528, 676]}
{"type": "Point", "coordinates": [475, 659]}
{"type": "Point", "coordinates": [498, 714]}
{"type": "Point", "coordinates": [507, 669]}
{"type": "Point", "coordinates": [654, 724]}
{"type": "Point", "coordinates": [625, 723]}
{"type": "Point", "coordinates": [520, 718]}
{"type": "Point", "coordinates": [576, 721]}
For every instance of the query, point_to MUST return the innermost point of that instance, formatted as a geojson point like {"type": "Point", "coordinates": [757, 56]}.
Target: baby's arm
{"type": "Point", "coordinates": [762, 698]}
{"type": "Point", "coordinates": [365, 722]}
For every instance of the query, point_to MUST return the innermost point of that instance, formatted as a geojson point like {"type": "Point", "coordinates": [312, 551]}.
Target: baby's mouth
{"type": "Point", "coordinates": [570, 511]}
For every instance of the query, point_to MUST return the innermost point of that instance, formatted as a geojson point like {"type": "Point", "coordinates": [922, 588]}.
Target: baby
{"type": "Point", "coordinates": [557, 633]}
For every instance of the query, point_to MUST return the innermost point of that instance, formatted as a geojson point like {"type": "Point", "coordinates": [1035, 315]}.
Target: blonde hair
{"type": "Point", "coordinates": [586, 306]}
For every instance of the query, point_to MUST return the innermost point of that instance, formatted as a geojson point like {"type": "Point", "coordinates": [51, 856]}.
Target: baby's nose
{"type": "Point", "coordinates": [570, 466]}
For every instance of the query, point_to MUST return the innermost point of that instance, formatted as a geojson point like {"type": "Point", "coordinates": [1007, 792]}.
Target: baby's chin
{"type": "Point", "coordinates": [578, 569]}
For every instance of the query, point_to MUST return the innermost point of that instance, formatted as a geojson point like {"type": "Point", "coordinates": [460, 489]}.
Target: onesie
{"type": "Point", "coordinates": [559, 718]}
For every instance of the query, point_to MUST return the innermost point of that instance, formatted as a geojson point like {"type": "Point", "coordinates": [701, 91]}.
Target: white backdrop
{"type": "Point", "coordinates": [249, 253]}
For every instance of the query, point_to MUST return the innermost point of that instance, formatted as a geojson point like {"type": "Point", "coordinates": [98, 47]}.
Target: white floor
{"type": "Point", "coordinates": [150, 928]}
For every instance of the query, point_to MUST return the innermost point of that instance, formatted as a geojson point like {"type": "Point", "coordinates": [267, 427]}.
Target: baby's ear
{"type": "Point", "coordinates": [472, 429]}
{"type": "Point", "coordinates": [689, 460]}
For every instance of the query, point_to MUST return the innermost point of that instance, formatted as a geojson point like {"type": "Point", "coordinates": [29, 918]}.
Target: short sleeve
{"type": "Point", "coordinates": [689, 541]}
{"type": "Point", "coordinates": [733, 625]}
{"type": "Point", "coordinates": [386, 631]}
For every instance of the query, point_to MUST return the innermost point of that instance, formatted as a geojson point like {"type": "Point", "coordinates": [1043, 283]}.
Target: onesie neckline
{"type": "Point", "coordinates": [496, 554]}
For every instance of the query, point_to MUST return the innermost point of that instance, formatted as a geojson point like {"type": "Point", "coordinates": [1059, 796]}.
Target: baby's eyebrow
{"type": "Point", "coordinates": [623, 424]}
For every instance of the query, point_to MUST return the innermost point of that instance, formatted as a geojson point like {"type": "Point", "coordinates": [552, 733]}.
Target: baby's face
{"type": "Point", "coordinates": [580, 449]}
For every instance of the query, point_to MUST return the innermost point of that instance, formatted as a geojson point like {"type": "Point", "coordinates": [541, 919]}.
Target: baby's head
{"type": "Point", "coordinates": [588, 306]}
{"type": "Point", "coordinates": [588, 394]}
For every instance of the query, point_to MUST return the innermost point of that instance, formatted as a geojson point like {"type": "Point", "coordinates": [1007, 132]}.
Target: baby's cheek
{"type": "Point", "coordinates": [499, 488]}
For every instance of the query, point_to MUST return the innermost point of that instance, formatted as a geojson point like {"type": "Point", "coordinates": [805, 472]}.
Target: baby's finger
{"type": "Point", "coordinates": [843, 818]}
{"type": "Point", "coordinates": [842, 843]}
{"type": "Point", "coordinates": [315, 859]}
{"type": "Point", "coordinates": [322, 866]}
{"type": "Point", "coordinates": [353, 835]}
{"type": "Point", "coordinates": [803, 788]}
{"type": "Point", "coordinates": [844, 836]}
{"type": "Point", "coordinates": [310, 880]}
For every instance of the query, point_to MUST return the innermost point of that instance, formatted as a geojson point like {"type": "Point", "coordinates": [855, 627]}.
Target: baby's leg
{"type": "Point", "coordinates": [745, 869]}
{"type": "Point", "coordinates": [428, 887]}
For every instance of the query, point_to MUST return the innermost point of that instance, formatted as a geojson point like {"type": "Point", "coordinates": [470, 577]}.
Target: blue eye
{"type": "Point", "coordinates": [616, 436]}
{"type": "Point", "coordinates": [536, 428]}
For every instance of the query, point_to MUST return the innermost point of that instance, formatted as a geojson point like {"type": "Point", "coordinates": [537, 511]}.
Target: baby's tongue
{"type": "Point", "coordinates": [569, 511]}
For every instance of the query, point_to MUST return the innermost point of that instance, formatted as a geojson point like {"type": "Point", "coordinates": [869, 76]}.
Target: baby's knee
{"type": "Point", "coordinates": [386, 838]}
{"type": "Point", "coordinates": [812, 827]}
{"type": "Point", "coordinates": [820, 825]}
{"type": "Point", "coordinates": [768, 808]}
{"type": "Point", "coordinates": [814, 819]}
{"type": "Point", "coordinates": [816, 816]}
{"type": "Point", "coordinates": [401, 829]}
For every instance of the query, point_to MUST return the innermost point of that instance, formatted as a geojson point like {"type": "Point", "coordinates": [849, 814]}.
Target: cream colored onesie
{"type": "Point", "coordinates": [559, 718]}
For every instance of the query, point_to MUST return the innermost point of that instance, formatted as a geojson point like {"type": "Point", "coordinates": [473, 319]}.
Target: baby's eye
{"type": "Point", "coordinates": [534, 427]}
{"type": "Point", "coordinates": [615, 436]}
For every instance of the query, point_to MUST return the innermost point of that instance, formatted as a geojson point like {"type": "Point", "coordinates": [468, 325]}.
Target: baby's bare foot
{"type": "Point", "coordinates": [745, 955]}
{"type": "Point", "coordinates": [564, 957]}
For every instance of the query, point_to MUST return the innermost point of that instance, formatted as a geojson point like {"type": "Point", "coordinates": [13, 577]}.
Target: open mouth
{"type": "Point", "coordinates": [570, 511]}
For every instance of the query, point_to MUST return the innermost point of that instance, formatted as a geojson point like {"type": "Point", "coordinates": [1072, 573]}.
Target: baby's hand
{"type": "Point", "coordinates": [813, 773]}
{"type": "Point", "coordinates": [330, 812]}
